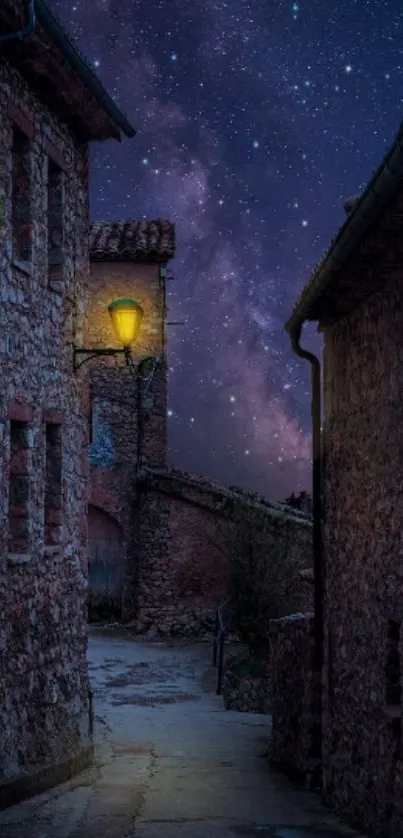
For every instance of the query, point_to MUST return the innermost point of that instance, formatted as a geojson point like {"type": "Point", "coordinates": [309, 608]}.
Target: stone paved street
{"type": "Point", "coordinates": [170, 761]}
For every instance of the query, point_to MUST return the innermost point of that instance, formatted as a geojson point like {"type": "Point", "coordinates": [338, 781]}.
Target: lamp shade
{"type": "Point", "coordinates": [126, 316]}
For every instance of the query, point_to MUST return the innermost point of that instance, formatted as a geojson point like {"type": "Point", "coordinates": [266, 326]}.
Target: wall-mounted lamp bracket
{"type": "Point", "coordinates": [88, 354]}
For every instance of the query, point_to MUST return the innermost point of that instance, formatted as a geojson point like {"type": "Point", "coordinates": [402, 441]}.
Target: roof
{"type": "Point", "coordinates": [56, 70]}
{"type": "Point", "coordinates": [132, 241]}
{"type": "Point", "coordinates": [363, 211]}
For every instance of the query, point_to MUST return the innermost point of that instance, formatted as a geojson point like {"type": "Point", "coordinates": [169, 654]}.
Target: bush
{"type": "Point", "coordinates": [262, 576]}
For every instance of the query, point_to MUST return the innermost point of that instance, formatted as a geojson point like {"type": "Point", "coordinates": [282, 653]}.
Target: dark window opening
{"type": "Point", "coordinates": [53, 484]}
{"type": "Point", "coordinates": [392, 674]}
{"type": "Point", "coordinates": [19, 488]}
{"type": "Point", "coordinates": [21, 199]}
{"type": "Point", "coordinates": [55, 222]}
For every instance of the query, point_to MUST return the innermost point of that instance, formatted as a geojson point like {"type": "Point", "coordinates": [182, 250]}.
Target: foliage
{"type": "Point", "coordinates": [303, 501]}
{"type": "Point", "coordinates": [248, 668]}
{"type": "Point", "coordinates": [262, 571]}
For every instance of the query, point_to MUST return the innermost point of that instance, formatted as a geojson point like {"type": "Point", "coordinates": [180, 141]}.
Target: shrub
{"type": "Point", "coordinates": [262, 572]}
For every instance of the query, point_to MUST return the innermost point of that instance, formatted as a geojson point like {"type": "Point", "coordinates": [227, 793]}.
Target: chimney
{"type": "Point", "coordinates": [350, 203]}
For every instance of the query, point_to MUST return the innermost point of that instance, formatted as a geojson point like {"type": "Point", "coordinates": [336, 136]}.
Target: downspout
{"type": "Point", "coordinates": [140, 404]}
{"type": "Point", "coordinates": [28, 29]}
{"type": "Point", "coordinates": [164, 371]}
{"type": "Point", "coordinates": [318, 569]}
{"type": "Point", "coordinates": [140, 418]}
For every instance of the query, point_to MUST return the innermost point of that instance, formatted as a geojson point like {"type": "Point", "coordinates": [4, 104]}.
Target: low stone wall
{"type": "Point", "coordinates": [182, 573]}
{"type": "Point", "coordinates": [246, 694]}
{"type": "Point", "coordinates": [295, 699]}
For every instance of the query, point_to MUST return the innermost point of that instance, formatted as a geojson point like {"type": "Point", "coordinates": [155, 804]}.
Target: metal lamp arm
{"type": "Point", "coordinates": [96, 353]}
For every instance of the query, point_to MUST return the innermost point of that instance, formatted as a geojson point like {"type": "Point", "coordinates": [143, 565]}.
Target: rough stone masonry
{"type": "Point", "coordinates": [44, 688]}
{"type": "Point", "coordinates": [128, 410]}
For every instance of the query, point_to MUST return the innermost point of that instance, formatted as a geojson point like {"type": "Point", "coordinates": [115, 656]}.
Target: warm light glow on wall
{"type": "Point", "coordinates": [126, 316]}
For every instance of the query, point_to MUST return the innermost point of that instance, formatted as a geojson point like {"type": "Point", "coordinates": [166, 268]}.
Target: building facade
{"type": "Point", "coordinates": [356, 296]}
{"type": "Point", "coordinates": [128, 405]}
{"type": "Point", "coordinates": [51, 107]}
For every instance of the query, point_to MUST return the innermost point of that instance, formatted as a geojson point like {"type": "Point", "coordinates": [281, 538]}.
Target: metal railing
{"type": "Point", "coordinates": [220, 634]}
{"type": "Point", "coordinates": [90, 713]}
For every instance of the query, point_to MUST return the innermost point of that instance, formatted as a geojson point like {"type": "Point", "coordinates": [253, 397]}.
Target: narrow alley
{"type": "Point", "coordinates": [169, 760]}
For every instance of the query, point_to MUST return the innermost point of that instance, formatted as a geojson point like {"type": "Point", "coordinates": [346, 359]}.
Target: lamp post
{"type": "Point", "coordinates": [126, 316]}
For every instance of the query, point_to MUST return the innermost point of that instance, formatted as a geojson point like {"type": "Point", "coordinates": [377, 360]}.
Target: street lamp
{"type": "Point", "coordinates": [126, 316]}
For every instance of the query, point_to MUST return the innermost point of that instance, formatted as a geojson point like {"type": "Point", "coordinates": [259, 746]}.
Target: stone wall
{"type": "Point", "coordinates": [128, 417]}
{"type": "Point", "coordinates": [363, 447]}
{"type": "Point", "coordinates": [295, 699]}
{"type": "Point", "coordinates": [44, 703]}
{"type": "Point", "coordinates": [246, 685]}
{"type": "Point", "coordinates": [183, 569]}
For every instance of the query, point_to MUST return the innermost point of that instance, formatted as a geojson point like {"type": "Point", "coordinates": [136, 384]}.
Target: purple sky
{"type": "Point", "coordinates": [255, 121]}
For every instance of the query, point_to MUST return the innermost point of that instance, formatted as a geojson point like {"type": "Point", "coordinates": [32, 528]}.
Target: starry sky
{"type": "Point", "coordinates": [255, 121]}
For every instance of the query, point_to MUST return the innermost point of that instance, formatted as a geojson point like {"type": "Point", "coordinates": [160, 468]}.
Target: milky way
{"type": "Point", "coordinates": [255, 121]}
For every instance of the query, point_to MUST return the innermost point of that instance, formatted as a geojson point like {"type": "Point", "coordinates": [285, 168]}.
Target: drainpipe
{"type": "Point", "coordinates": [318, 570]}
{"type": "Point", "coordinates": [28, 29]}
{"type": "Point", "coordinates": [140, 404]}
{"type": "Point", "coordinates": [140, 417]}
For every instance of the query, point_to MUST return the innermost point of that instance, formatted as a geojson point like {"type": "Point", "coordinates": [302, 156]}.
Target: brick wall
{"type": "Point", "coordinates": [128, 416]}
{"type": "Point", "coordinates": [43, 542]}
{"type": "Point", "coordinates": [182, 571]}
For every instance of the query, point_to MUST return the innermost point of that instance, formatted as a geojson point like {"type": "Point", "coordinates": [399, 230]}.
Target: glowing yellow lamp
{"type": "Point", "coordinates": [126, 316]}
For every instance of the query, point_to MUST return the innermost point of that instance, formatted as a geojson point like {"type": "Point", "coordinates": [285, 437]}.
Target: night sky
{"type": "Point", "coordinates": [255, 121]}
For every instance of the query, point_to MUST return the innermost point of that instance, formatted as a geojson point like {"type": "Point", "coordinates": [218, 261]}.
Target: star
{"type": "Point", "coordinates": [243, 139]}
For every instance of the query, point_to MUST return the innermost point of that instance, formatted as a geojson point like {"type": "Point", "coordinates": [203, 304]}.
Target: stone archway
{"type": "Point", "coordinates": [105, 566]}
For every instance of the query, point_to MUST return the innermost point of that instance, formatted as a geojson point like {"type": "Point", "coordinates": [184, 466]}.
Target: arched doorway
{"type": "Point", "coordinates": [105, 566]}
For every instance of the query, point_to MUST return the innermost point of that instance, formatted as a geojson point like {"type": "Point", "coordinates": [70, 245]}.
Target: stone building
{"type": "Point", "coordinates": [128, 410]}
{"type": "Point", "coordinates": [152, 528]}
{"type": "Point", "coordinates": [355, 294]}
{"type": "Point", "coordinates": [184, 539]}
{"type": "Point", "coordinates": [51, 107]}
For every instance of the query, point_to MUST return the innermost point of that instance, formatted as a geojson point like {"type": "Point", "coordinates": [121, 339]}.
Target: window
{"type": "Point", "coordinates": [19, 488]}
{"type": "Point", "coordinates": [53, 483]}
{"type": "Point", "coordinates": [55, 223]}
{"type": "Point", "coordinates": [21, 203]}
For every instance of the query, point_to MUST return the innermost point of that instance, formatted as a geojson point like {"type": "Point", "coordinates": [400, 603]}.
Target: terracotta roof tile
{"type": "Point", "coordinates": [132, 241]}
{"type": "Point", "coordinates": [350, 203]}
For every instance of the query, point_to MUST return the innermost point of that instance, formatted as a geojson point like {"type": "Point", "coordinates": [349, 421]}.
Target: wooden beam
{"type": "Point", "coordinates": [24, 120]}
